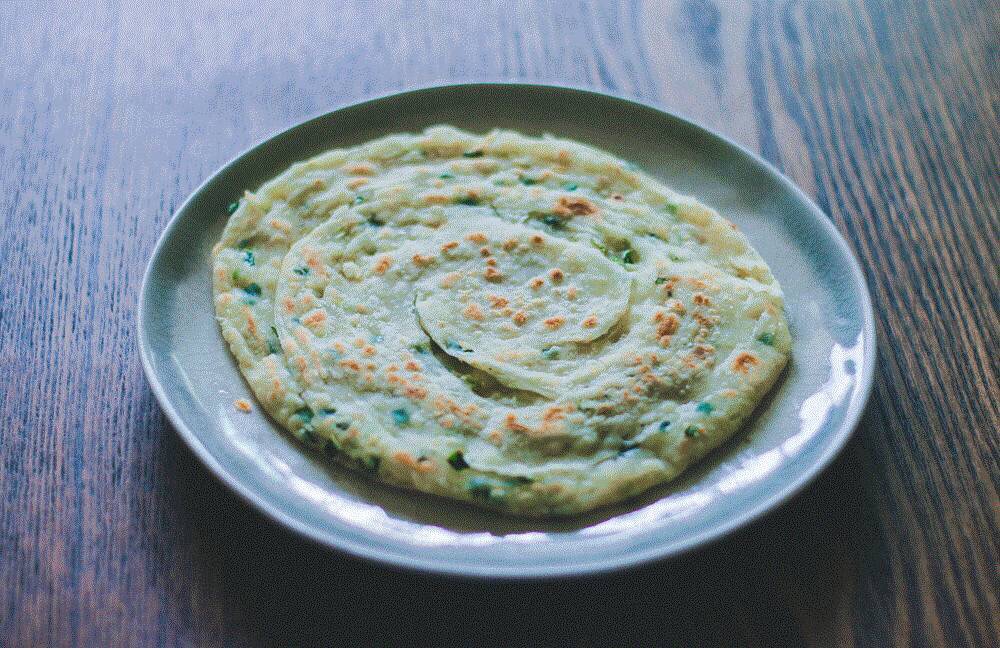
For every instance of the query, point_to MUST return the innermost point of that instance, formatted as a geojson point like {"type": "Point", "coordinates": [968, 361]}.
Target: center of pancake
{"type": "Point", "coordinates": [517, 303]}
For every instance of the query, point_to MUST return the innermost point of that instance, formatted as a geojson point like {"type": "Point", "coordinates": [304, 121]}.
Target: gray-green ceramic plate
{"type": "Point", "coordinates": [793, 436]}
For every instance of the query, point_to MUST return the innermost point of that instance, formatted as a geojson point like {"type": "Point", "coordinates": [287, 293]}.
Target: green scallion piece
{"type": "Point", "coordinates": [457, 461]}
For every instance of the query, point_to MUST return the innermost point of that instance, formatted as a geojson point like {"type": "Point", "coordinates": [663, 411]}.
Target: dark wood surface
{"type": "Point", "coordinates": [111, 113]}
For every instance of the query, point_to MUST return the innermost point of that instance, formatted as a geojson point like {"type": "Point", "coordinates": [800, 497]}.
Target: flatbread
{"type": "Point", "coordinates": [528, 324]}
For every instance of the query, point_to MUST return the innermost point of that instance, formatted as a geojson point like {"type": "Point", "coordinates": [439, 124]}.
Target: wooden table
{"type": "Point", "coordinates": [111, 113]}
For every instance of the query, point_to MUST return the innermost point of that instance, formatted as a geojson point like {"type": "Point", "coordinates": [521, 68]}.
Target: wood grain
{"type": "Point", "coordinates": [111, 113]}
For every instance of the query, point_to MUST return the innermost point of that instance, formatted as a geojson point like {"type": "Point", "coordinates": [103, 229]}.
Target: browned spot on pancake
{"type": "Point", "coordinates": [382, 265]}
{"type": "Point", "coordinates": [421, 465]}
{"type": "Point", "coordinates": [360, 169]}
{"type": "Point", "coordinates": [494, 275]}
{"type": "Point", "coordinates": [567, 206]}
{"type": "Point", "coordinates": [702, 350]}
{"type": "Point", "coordinates": [744, 362]}
{"type": "Point", "coordinates": [519, 318]}
{"type": "Point", "coordinates": [450, 245]}
{"type": "Point", "coordinates": [700, 354]}
{"type": "Point", "coordinates": [416, 392]}
{"type": "Point", "coordinates": [552, 421]}
{"type": "Point", "coordinates": [473, 312]}
{"type": "Point", "coordinates": [513, 424]}
{"type": "Point", "coordinates": [316, 318]}
{"type": "Point", "coordinates": [477, 237]}
{"type": "Point", "coordinates": [554, 322]}
{"type": "Point", "coordinates": [301, 334]}
{"type": "Point", "coordinates": [668, 325]}
{"type": "Point", "coordinates": [496, 301]}
{"type": "Point", "coordinates": [449, 279]}
{"type": "Point", "coordinates": [556, 275]}
{"type": "Point", "coordinates": [589, 322]}
{"type": "Point", "coordinates": [251, 322]}
{"type": "Point", "coordinates": [554, 413]}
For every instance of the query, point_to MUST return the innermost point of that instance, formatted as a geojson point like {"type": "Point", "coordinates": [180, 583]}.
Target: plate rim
{"type": "Point", "coordinates": [838, 439]}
